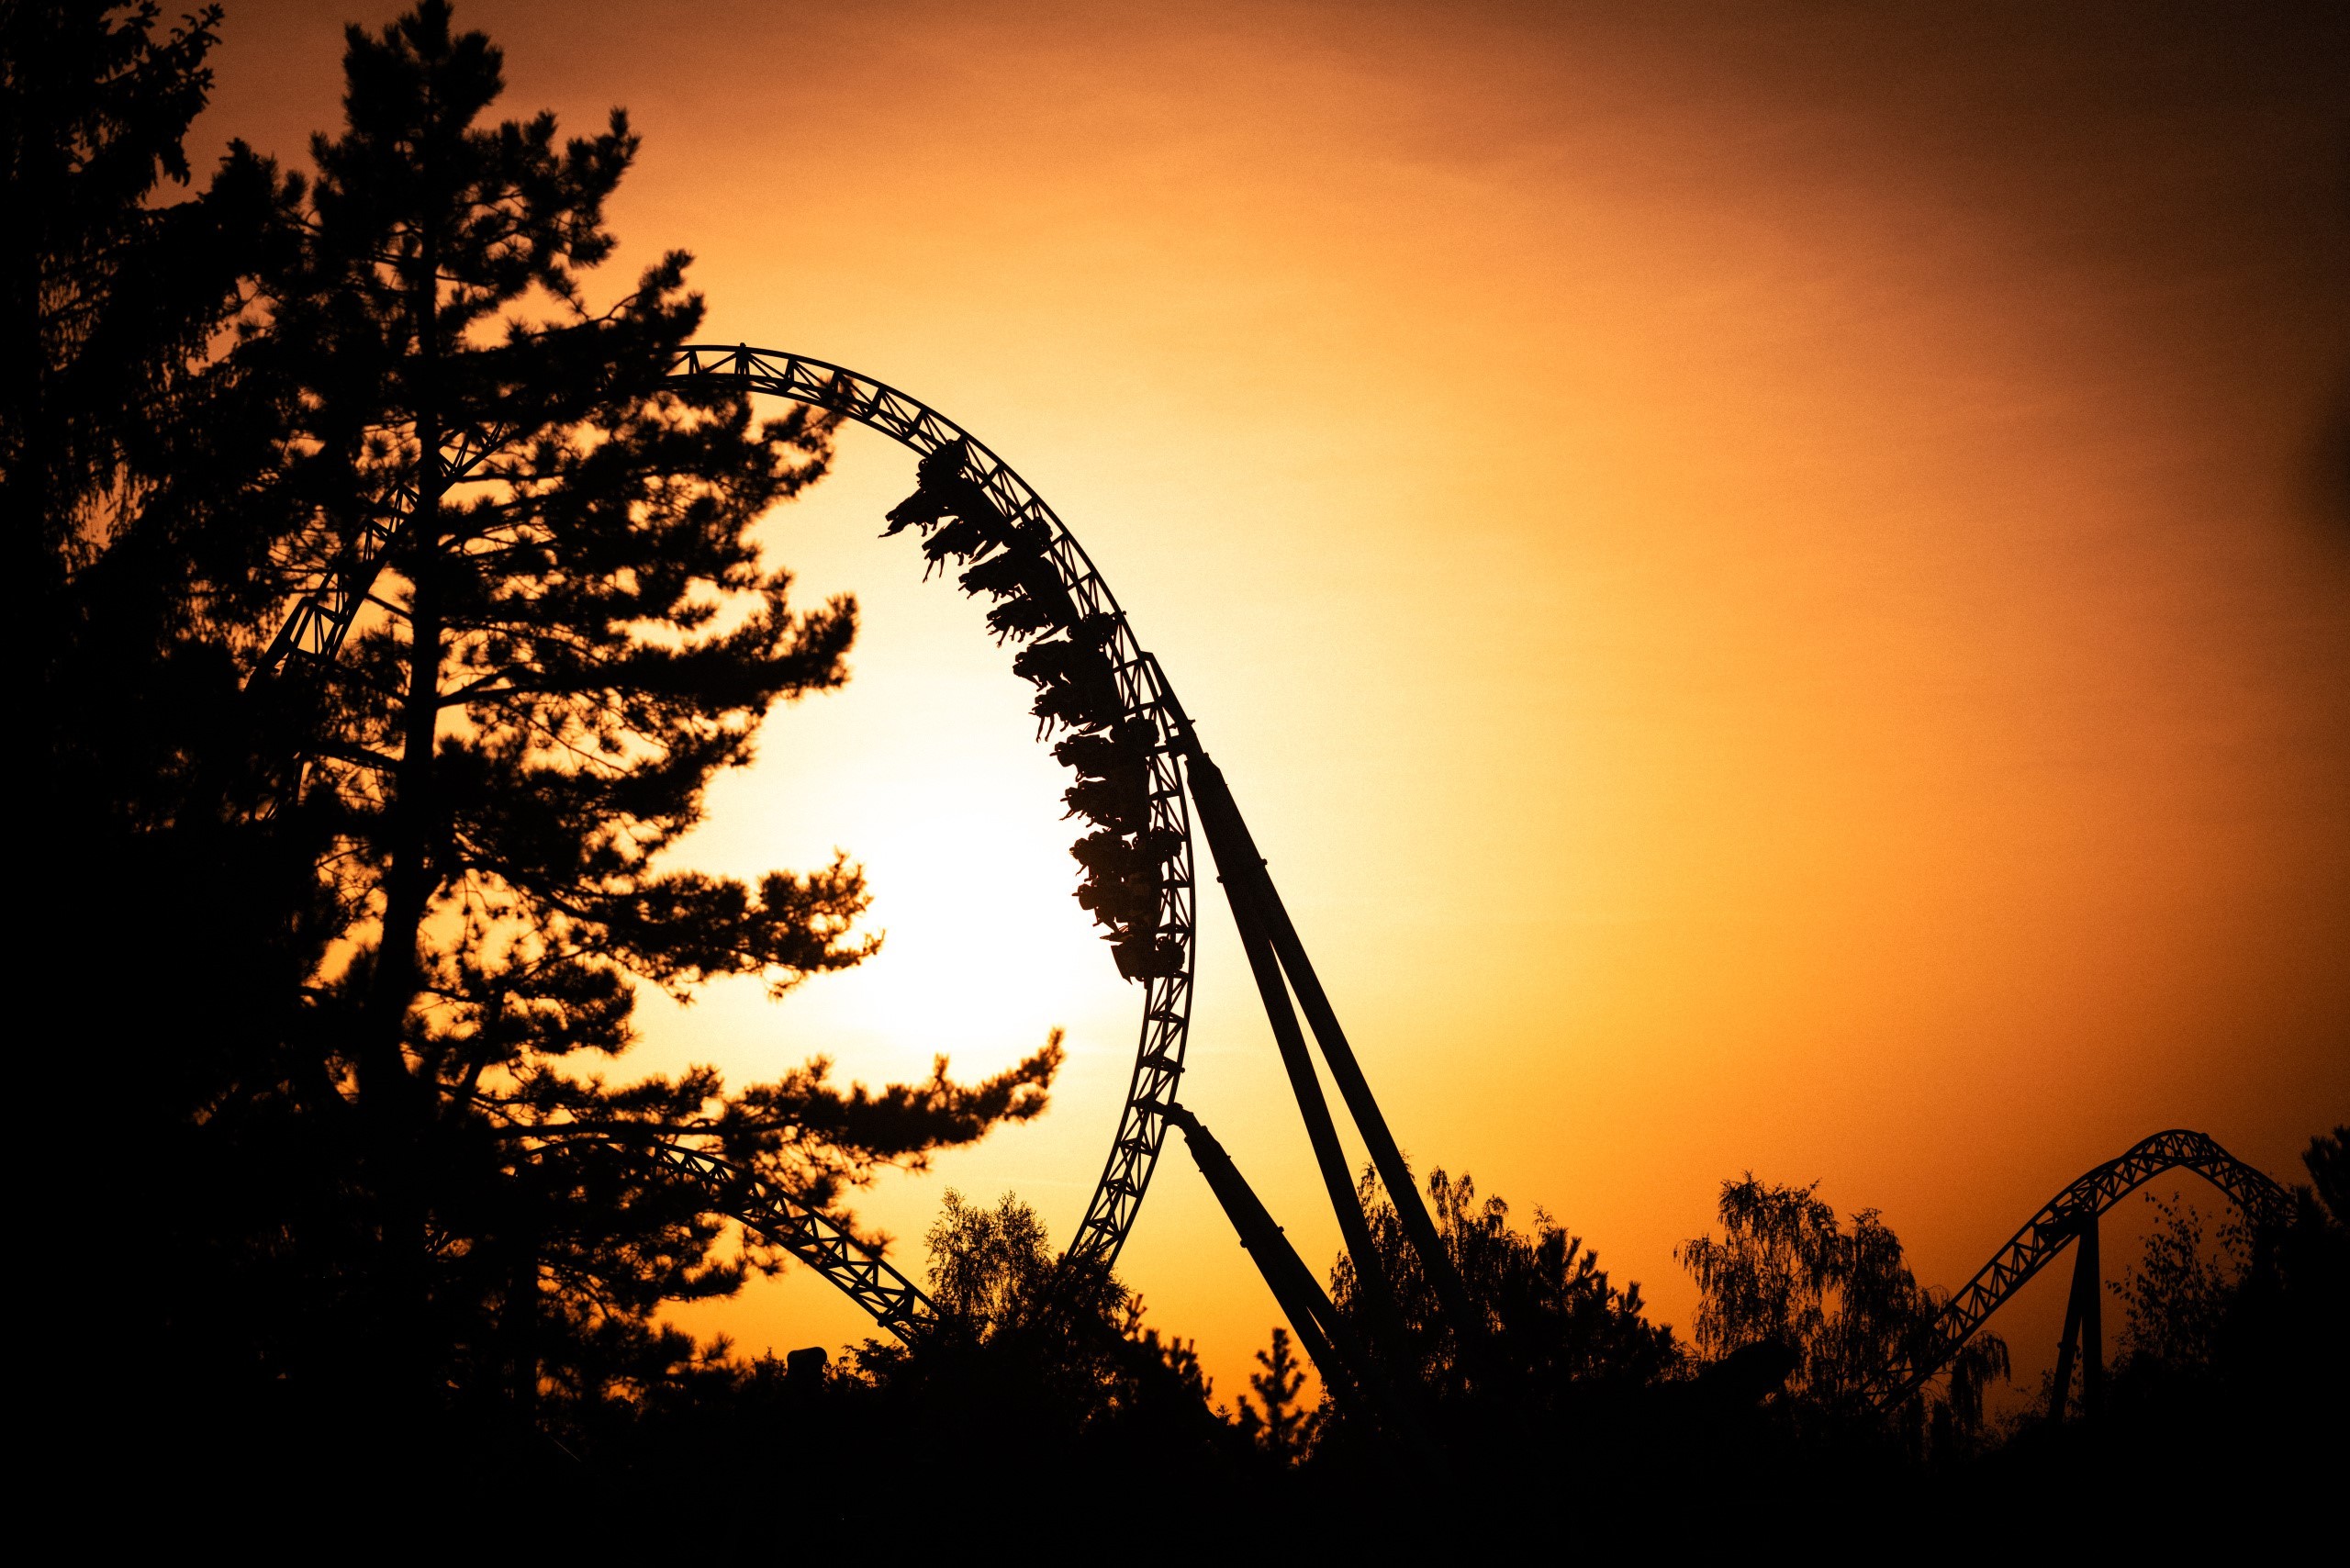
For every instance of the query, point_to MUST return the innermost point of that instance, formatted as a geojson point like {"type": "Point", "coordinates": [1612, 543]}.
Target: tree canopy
{"type": "Point", "coordinates": [430, 873]}
{"type": "Point", "coordinates": [1842, 1304]}
{"type": "Point", "coordinates": [1555, 1318]}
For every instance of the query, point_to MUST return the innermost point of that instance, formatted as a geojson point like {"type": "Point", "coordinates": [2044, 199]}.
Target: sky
{"type": "Point", "coordinates": [1774, 581]}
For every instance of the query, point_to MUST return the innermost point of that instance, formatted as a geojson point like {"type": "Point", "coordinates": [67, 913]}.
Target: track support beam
{"type": "Point", "coordinates": [1353, 1378]}
{"type": "Point", "coordinates": [1321, 1129]}
{"type": "Point", "coordinates": [1325, 1337]}
{"type": "Point", "coordinates": [2083, 1338]}
{"type": "Point", "coordinates": [1263, 921]}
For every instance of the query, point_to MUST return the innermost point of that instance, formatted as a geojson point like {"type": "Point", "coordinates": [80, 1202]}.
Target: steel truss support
{"type": "Point", "coordinates": [2071, 1216]}
{"type": "Point", "coordinates": [814, 1237]}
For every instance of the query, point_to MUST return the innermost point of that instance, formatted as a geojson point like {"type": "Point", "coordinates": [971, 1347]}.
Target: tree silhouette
{"type": "Point", "coordinates": [135, 468]}
{"type": "Point", "coordinates": [1035, 1364]}
{"type": "Point", "coordinates": [1555, 1318]}
{"type": "Point", "coordinates": [575, 633]}
{"type": "Point", "coordinates": [1281, 1427]}
{"type": "Point", "coordinates": [991, 1270]}
{"type": "Point", "coordinates": [123, 439]}
{"type": "Point", "coordinates": [2288, 1328]}
{"type": "Point", "coordinates": [1842, 1304]}
{"type": "Point", "coordinates": [139, 468]}
{"type": "Point", "coordinates": [2246, 1329]}
{"type": "Point", "coordinates": [2176, 1296]}
{"type": "Point", "coordinates": [385, 988]}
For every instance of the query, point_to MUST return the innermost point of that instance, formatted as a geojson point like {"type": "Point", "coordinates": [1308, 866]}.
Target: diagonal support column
{"type": "Point", "coordinates": [1247, 882]}
{"type": "Point", "coordinates": [1320, 1129]}
{"type": "Point", "coordinates": [1321, 1332]}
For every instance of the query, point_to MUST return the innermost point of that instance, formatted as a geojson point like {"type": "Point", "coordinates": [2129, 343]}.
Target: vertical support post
{"type": "Point", "coordinates": [2067, 1349]}
{"type": "Point", "coordinates": [2083, 1339]}
{"type": "Point", "coordinates": [2089, 1282]}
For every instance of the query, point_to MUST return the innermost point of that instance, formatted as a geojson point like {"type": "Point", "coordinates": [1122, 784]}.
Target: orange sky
{"type": "Point", "coordinates": [1774, 581]}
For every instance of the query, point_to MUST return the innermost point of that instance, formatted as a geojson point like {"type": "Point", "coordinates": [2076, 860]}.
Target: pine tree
{"type": "Point", "coordinates": [575, 632]}
{"type": "Point", "coordinates": [378, 1199]}
{"type": "Point", "coordinates": [1285, 1430]}
{"type": "Point", "coordinates": [134, 458]}
{"type": "Point", "coordinates": [117, 436]}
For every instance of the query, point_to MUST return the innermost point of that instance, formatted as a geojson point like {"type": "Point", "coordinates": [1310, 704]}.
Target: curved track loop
{"type": "Point", "coordinates": [1142, 691]}
{"type": "Point", "coordinates": [810, 1234]}
{"type": "Point", "coordinates": [313, 635]}
{"type": "Point", "coordinates": [2061, 1219]}
{"type": "Point", "coordinates": [322, 619]}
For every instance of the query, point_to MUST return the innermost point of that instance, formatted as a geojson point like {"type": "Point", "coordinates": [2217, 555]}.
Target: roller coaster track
{"type": "Point", "coordinates": [313, 633]}
{"type": "Point", "coordinates": [322, 619]}
{"type": "Point", "coordinates": [1143, 693]}
{"type": "Point", "coordinates": [894, 1302]}
{"type": "Point", "coordinates": [2071, 1217]}
{"type": "Point", "coordinates": [1179, 775]}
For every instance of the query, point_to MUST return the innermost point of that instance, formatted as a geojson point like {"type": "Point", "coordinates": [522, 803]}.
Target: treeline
{"type": "Point", "coordinates": [1043, 1402]}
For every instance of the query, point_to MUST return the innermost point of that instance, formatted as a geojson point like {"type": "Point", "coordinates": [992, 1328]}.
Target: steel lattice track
{"type": "Point", "coordinates": [1144, 693]}
{"type": "Point", "coordinates": [2060, 1220]}
{"type": "Point", "coordinates": [810, 1234]}
{"type": "Point", "coordinates": [323, 617]}
{"type": "Point", "coordinates": [321, 622]}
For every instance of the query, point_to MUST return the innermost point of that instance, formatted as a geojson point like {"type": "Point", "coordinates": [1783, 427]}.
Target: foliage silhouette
{"type": "Point", "coordinates": [2239, 1355]}
{"type": "Point", "coordinates": [1842, 1304]}
{"type": "Point", "coordinates": [2176, 1296]}
{"type": "Point", "coordinates": [120, 433]}
{"type": "Point", "coordinates": [1555, 1318]}
{"type": "Point", "coordinates": [138, 469]}
{"type": "Point", "coordinates": [1036, 1367]}
{"type": "Point", "coordinates": [1278, 1423]}
{"type": "Point", "coordinates": [384, 979]}
{"type": "Point", "coordinates": [2246, 1327]}
{"type": "Point", "coordinates": [991, 1269]}
{"type": "Point", "coordinates": [999, 1285]}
